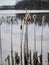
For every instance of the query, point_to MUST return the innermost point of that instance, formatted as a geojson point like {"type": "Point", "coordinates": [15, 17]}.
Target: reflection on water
{"type": "Point", "coordinates": [5, 38]}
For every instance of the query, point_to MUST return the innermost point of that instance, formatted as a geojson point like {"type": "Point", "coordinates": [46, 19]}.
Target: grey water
{"type": "Point", "coordinates": [16, 38]}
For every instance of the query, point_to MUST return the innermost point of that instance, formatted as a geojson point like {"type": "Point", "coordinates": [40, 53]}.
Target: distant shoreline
{"type": "Point", "coordinates": [30, 5]}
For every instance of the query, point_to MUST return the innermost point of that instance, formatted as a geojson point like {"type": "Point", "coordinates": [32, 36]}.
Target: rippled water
{"type": "Point", "coordinates": [5, 39]}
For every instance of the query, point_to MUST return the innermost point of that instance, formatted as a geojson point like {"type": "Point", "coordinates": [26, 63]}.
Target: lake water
{"type": "Point", "coordinates": [6, 39]}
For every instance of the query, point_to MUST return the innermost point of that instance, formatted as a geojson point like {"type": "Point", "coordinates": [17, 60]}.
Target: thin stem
{"type": "Point", "coordinates": [41, 38]}
{"type": "Point", "coordinates": [21, 44]}
{"type": "Point", "coordinates": [12, 47]}
{"type": "Point", "coordinates": [0, 45]}
{"type": "Point", "coordinates": [34, 38]}
{"type": "Point", "coordinates": [26, 43]}
{"type": "Point", "coordinates": [41, 45]}
{"type": "Point", "coordinates": [11, 38]}
{"type": "Point", "coordinates": [27, 36]}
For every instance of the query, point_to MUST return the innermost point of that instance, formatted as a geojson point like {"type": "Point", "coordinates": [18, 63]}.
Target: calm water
{"type": "Point", "coordinates": [5, 39]}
